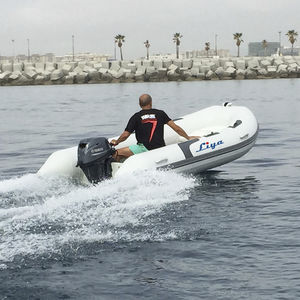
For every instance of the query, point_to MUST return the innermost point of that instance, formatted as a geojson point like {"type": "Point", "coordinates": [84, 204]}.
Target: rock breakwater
{"type": "Point", "coordinates": [150, 70]}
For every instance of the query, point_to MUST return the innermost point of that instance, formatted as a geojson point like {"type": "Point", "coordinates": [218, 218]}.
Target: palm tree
{"type": "Point", "coordinates": [237, 36]}
{"type": "Point", "coordinates": [176, 39]}
{"type": "Point", "coordinates": [292, 38]}
{"type": "Point", "coordinates": [207, 47]}
{"type": "Point", "coordinates": [147, 45]}
{"type": "Point", "coordinates": [265, 46]}
{"type": "Point", "coordinates": [120, 39]}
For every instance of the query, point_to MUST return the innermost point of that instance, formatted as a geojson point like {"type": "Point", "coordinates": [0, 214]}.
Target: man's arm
{"type": "Point", "coordinates": [180, 131]}
{"type": "Point", "coordinates": [121, 138]}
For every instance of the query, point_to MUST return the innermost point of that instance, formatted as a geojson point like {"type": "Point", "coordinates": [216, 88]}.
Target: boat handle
{"type": "Point", "coordinates": [165, 160]}
{"type": "Point", "coordinates": [244, 136]}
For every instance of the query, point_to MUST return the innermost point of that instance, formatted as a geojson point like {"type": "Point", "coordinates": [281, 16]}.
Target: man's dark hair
{"type": "Point", "coordinates": [145, 100]}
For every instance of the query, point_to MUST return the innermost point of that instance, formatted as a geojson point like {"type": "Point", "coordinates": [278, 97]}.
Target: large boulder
{"type": "Point", "coordinates": [28, 66]}
{"type": "Point", "coordinates": [173, 75]}
{"type": "Point", "coordinates": [132, 67]}
{"type": "Point", "coordinates": [129, 77]}
{"type": "Point", "coordinates": [18, 67]}
{"type": "Point", "coordinates": [40, 67]}
{"type": "Point", "coordinates": [141, 70]}
{"type": "Point", "coordinates": [187, 63]}
{"type": "Point", "coordinates": [240, 74]}
{"type": "Point", "coordinates": [220, 72]}
{"type": "Point", "coordinates": [250, 74]}
{"type": "Point", "coordinates": [262, 73]}
{"type": "Point", "coordinates": [278, 62]}
{"type": "Point", "coordinates": [162, 73]}
{"type": "Point", "coordinates": [186, 75]}
{"type": "Point", "coordinates": [4, 76]}
{"type": "Point", "coordinates": [167, 63]}
{"type": "Point", "coordinates": [230, 72]}
{"type": "Point", "coordinates": [56, 75]}
{"type": "Point", "coordinates": [23, 80]}
{"type": "Point", "coordinates": [81, 77]}
{"type": "Point", "coordinates": [97, 65]}
{"type": "Point", "coordinates": [119, 74]}
{"type": "Point", "coordinates": [272, 71]}
{"type": "Point", "coordinates": [30, 73]}
{"type": "Point", "coordinates": [157, 64]}
{"type": "Point", "coordinates": [228, 64]}
{"type": "Point", "coordinates": [50, 67]}
{"type": "Point", "coordinates": [115, 66]}
{"type": "Point", "coordinates": [7, 67]}
{"type": "Point", "coordinates": [106, 77]}
{"type": "Point", "coordinates": [46, 74]}
{"type": "Point", "coordinates": [173, 68]}
{"type": "Point", "coordinates": [78, 70]}
{"type": "Point", "coordinates": [195, 71]}
{"type": "Point", "coordinates": [177, 62]}
{"type": "Point", "coordinates": [102, 71]}
{"type": "Point", "coordinates": [94, 75]}
{"type": "Point", "coordinates": [223, 61]}
{"type": "Point", "coordinates": [124, 64]}
{"type": "Point", "coordinates": [204, 69]}
{"type": "Point", "coordinates": [212, 66]}
{"type": "Point", "coordinates": [67, 69]}
{"type": "Point", "coordinates": [210, 75]}
{"type": "Point", "coordinates": [40, 79]}
{"type": "Point", "coordinates": [14, 76]}
{"type": "Point", "coordinates": [282, 71]}
{"type": "Point", "coordinates": [151, 70]}
{"type": "Point", "coordinates": [253, 64]}
{"type": "Point", "coordinates": [201, 76]}
{"type": "Point", "coordinates": [147, 63]}
{"type": "Point", "coordinates": [138, 63]}
{"type": "Point", "coordinates": [240, 64]}
{"type": "Point", "coordinates": [265, 63]}
{"type": "Point", "coordinates": [105, 64]}
{"type": "Point", "coordinates": [293, 72]}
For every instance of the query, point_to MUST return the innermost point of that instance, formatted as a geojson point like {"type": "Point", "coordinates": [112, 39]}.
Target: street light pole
{"type": "Point", "coordinates": [279, 43]}
{"type": "Point", "coordinates": [115, 50]}
{"type": "Point", "coordinates": [73, 54]}
{"type": "Point", "coordinates": [216, 46]}
{"type": "Point", "coordinates": [28, 49]}
{"type": "Point", "coordinates": [13, 48]}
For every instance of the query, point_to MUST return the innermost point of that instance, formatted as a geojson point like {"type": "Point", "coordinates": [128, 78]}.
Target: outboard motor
{"type": "Point", "coordinates": [94, 158]}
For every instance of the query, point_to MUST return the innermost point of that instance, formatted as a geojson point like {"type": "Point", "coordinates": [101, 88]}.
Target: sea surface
{"type": "Point", "coordinates": [230, 233]}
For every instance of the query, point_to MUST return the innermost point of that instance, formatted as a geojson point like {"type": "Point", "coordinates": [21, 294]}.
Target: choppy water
{"type": "Point", "coordinates": [231, 233]}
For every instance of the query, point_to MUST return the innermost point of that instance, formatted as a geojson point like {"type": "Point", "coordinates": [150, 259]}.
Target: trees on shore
{"type": "Point", "coordinates": [207, 47]}
{"type": "Point", "coordinates": [176, 39]}
{"type": "Point", "coordinates": [147, 45]}
{"type": "Point", "coordinates": [292, 34]}
{"type": "Point", "coordinates": [120, 39]}
{"type": "Point", "coordinates": [238, 37]}
{"type": "Point", "coordinates": [265, 46]}
{"type": "Point", "coordinates": [292, 37]}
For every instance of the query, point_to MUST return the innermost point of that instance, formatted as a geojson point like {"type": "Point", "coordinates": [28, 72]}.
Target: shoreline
{"type": "Point", "coordinates": [93, 72]}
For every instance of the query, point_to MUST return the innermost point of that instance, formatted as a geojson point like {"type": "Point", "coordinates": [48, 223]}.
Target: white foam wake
{"type": "Point", "coordinates": [40, 216]}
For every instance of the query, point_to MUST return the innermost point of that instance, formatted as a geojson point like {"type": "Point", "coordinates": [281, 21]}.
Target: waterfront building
{"type": "Point", "coordinates": [203, 53]}
{"type": "Point", "coordinates": [257, 49]}
{"type": "Point", "coordinates": [288, 51]}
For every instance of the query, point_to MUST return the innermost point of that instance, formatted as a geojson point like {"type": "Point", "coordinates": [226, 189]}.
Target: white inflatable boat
{"type": "Point", "coordinates": [227, 132]}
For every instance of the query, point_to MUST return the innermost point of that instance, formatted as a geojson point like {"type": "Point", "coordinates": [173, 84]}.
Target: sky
{"type": "Point", "coordinates": [50, 24]}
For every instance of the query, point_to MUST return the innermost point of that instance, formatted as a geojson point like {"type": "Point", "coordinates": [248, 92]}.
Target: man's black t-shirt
{"type": "Point", "coordinates": [148, 125]}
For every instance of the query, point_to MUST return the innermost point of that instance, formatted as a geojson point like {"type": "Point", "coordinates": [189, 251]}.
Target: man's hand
{"type": "Point", "coordinates": [114, 142]}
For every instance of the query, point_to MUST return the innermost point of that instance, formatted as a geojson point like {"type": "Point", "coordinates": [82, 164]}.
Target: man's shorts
{"type": "Point", "coordinates": [138, 148]}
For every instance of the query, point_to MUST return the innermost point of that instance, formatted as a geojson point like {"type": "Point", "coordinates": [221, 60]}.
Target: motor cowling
{"type": "Point", "coordinates": [94, 158]}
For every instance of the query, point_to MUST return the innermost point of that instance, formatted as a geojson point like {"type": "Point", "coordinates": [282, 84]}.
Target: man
{"type": "Point", "coordinates": [148, 125]}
